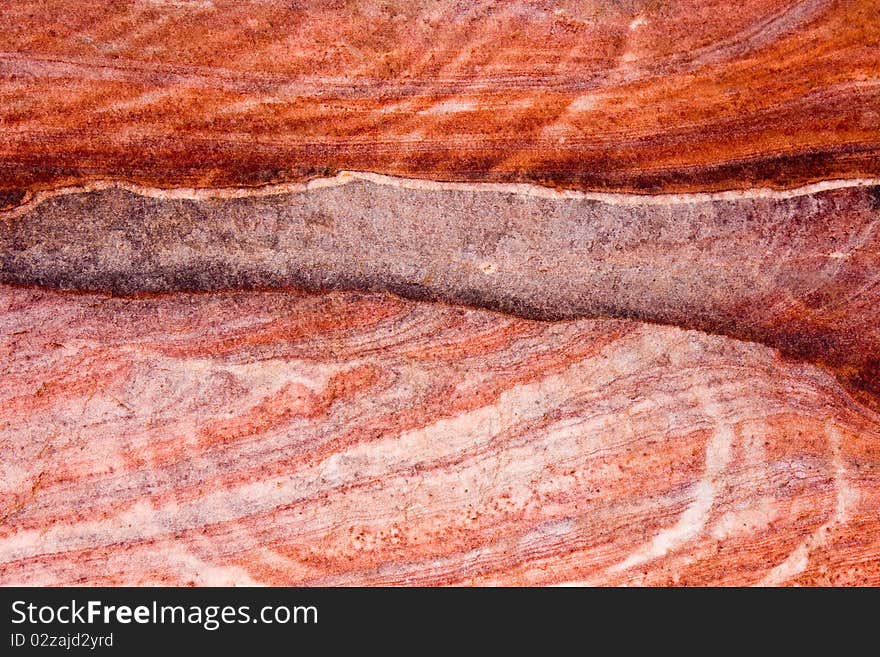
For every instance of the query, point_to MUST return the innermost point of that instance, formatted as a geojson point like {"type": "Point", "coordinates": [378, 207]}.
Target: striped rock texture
{"type": "Point", "coordinates": [342, 292]}
{"type": "Point", "coordinates": [626, 95]}
{"type": "Point", "coordinates": [798, 270]}
{"type": "Point", "coordinates": [361, 439]}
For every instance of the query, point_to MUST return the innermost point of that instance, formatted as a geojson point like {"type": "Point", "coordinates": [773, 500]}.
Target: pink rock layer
{"type": "Point", "coordinates": [277, 438]}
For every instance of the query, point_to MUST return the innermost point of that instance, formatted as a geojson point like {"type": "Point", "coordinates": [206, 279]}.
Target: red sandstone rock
{"type": "Point", "coordinates": [243, 436]}
{"type": "Point", "coordinates": [361, 439]}
{"type": "Point", "coordinates": [599, 95]}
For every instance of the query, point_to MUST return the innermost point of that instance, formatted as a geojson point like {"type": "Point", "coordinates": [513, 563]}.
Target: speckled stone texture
{"type": "Point", "coordinates": [438, 292]}
{"type": "Point", "coordinates": [797, 270]}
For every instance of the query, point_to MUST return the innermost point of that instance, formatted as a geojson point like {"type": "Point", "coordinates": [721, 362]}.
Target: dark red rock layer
{"type": "Point", "coordinates": [635, 95]}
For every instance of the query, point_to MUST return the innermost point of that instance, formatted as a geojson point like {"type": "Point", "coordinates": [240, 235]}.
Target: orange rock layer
{"type": "Point", "coordinates": [592, 94]}
{"type": "Point", "coordinates": [276, 438]}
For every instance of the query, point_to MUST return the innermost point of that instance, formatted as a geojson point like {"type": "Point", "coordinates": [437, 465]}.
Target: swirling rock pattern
{"type": "Point", "coordinates": [331, 292]}
{"type": "Point", "coordinates": [625, 95]}
{"type": "Point", "coordinates": [353, 438]}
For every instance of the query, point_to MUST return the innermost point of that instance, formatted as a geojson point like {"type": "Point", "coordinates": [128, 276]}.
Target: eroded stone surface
{"type": "Point", "coordinates": [594, 94]}
{"type": "Point", "coordinates": [274, 438]}
{"type": "Point", "coordinates": [797, 272]}
{"type": "Point", "coordinates": [703, 224]}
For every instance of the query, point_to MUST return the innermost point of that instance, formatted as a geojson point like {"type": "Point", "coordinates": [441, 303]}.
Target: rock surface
{"type": "Point", "coordinates": [331, 292]}
{"type": "Point", "coordinates": [797, 270]}
{"type": "Point", "coordinates": [273, 438]}
{"type": "Point", "coordinates": [625, 95]}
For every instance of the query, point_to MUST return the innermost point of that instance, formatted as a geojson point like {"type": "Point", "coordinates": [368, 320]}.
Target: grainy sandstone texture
{"type": "Point", "coordinates": [346, 438]}
{"type": "Point", "coordinates": [797, 271]}
{"type": "Point", "coordinates": [440, 292]}
{"type": "Point", "coordinates": [622, 95]}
